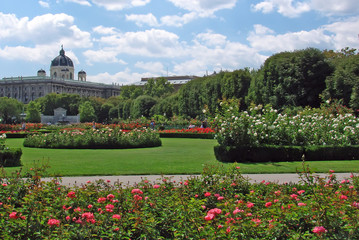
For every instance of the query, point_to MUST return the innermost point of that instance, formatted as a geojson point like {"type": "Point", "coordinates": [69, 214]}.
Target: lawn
{"type": "Point", "coordinates": [175, 156]}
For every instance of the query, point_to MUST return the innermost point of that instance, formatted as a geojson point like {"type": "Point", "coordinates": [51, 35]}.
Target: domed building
{"type": "Point", "coordinates": [61, 80]}
{"type": "Point", "coordinates": [62, 66]}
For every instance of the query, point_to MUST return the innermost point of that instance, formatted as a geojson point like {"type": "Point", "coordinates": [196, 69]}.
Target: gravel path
{"type": "Point", "coordinates": [132, 180]}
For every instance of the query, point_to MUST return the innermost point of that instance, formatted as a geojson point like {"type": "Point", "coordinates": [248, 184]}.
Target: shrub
{"type": "Point", "coordinates": [219, 204]}
{"type": "Point", "coordinates": [10, 157]}
{"type": "Point", "coordinates": [268, 153]}
{"type": "Point", "coordinates": [95, 138]}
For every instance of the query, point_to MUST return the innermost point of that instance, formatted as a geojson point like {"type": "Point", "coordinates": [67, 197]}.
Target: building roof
{"type": "Point", "coordinates": [62, 60]}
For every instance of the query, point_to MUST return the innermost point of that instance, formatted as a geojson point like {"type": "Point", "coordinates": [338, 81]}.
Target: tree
{"type": "Point", "coordinates": [87, 112]}
{"type": "Point", "coordinates": [103, 115]}
{"type": "Point", "coordinates": [295, 78]}
{"type": "Point", "coordinates": [343, 84]}
{"type": "Point", "coordinates": [158, 87]}
{"type": "Point", "coordinates": [33, 113]}
{"type": "Point", "coordinates": [131, 92]}
{"type": "Point", "coordinates": [10, 109]}
{"type": "Point", "coordinates": [70, 102]}
{"type": "Point", "coordinates": [142, 106]}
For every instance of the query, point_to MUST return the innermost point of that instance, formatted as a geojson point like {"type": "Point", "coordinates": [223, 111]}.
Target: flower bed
{"type": "Point", "coordinates": [206, 133]}
{"type": "Point", "coordinates": [217, 205]}
{"type": "Point", "coordinates": [94, 138]}
{"type": "Point", "coordinates": [260, 127]}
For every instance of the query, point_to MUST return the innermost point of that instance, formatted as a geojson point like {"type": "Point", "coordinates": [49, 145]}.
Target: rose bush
{"type": "Point", "coordinates": [94, 138]}
{"type": "Point", "coordinates": [262, 125]}
{"type": "Point", "coordinates": [220, 204]}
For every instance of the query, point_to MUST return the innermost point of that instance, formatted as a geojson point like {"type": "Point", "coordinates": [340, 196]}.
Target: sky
{"type": "Point", "coordinates": [121, 41]}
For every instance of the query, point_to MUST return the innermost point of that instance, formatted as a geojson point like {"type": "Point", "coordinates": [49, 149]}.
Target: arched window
{"type": "Point", "coordinates": [55, 74]}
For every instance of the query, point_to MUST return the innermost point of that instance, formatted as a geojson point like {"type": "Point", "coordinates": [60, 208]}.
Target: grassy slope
{"type": "Point", "coordinates": [176, 156]}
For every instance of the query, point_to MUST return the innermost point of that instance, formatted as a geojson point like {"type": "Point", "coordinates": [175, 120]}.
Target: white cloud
{"type": "Point", "coordinates": [204, 7]}
{"type": "Point", "coordinates": [269, 41]}
{"type": "Point", "coordinates": [344, 33]}
{"type": "Point", "coordinates": [178, 21]}
{"type": "Point", "coordinates": [44, 4]}
{"type": "Point", "coordinates": [288, 8]}
{"type": "Point", "coordinates": [211, 39]}
{"type": "Point", "coordinates": [46, 32]}
{"type": "Point", "coordinates": [149, 43]}
{"type": "Point", "coordinates": [81, 2]}
{"type": "Point", "coordinates": [102, 56]}
{"type": "Point", "coordinates": [335, 7]}
{"type": "Point", "coordinates": [44, 29]}
{"type": "Point", "coordinates": [143, 19]}
{"type": "Point", "coordinates": [156, 67]}
{"type": "Point", "coordinates": [116, 5]}
{"type": "Point", "coordinates": [125, 77]}
{"type": "Point", "coordinates": [104, 30]}
{"type": "Point", "coordinates": [39, 53]}
{"type": "Point", "coordinates": [336, 35]}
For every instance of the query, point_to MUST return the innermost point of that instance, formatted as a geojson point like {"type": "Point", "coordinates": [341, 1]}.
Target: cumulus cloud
{"type": "Point", "coordinates": [81, 2]}
{"type": "Point", "coordinates": [268, 41]}
{"type": "Point", "coordinates": [116, 5]}
{"type": "Point", "coordinates": [288, 8]}
{"type": "Point", "coordinates": [124, 77]}
{"type": "Point", "coordinates": [336, 35]}
{"type": "Point", "coordinates": [156, 67]}
{"type": "Point", "coordinates": [104, 30]}
{"type": "Point", "coordinates": [344, 33]}
{"type": "Point", "coordinates": [149, 43]}
{"type": "Point", "coordinates": [204, 7]}
{"type": "Point", "coordinates": [43, 29]}
{"type": "Point", "coordinates": [143, 19]}
{"type": "Point", "coordinates": [44, 4]}
{"type": "Point", "coordinates": [334, 7]}
{"type": "Point", "coordinates": [45, 33]}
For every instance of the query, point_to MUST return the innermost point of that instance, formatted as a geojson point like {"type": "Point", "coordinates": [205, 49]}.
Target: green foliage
{"type": "Point", "coordinates": [263, 125]}
{"type": "Point", "coordinates": [295, 78]}
{"type": "Point", "coordinates": [142, 106]}
{"type": "Point", "coordinates": [218, 204]}
{"type": "Point", "coordinates": [94, 139]}
{"type": "Point", "coordinates": [131, 92]}
{"type": "Point", "coordinates": [205, 92]}
{"type": "Point", "coordinates": [33, 112]}
{"type": "Point", "coordinates": [70, 102]}
{"type": "Point", "coordinates": [10, 157]}
{"type": "Point", "coordinates": [10, 109]}
{"type": "Point", "coordinates": [158, 87]}
{"type": "Point", "coordinates": [87, 112]}
{"type": "Point", "coordinates": [344, 82]}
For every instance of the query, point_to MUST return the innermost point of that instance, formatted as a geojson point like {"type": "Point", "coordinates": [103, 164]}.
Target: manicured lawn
{"type": "Point", "coordinates": [175, 156]}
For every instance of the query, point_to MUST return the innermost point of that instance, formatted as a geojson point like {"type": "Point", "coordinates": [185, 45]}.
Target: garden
{"type": "Point", "coordinates": [218, 204]}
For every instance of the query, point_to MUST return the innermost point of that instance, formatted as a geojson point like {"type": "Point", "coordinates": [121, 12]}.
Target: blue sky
{"type": "Point", "coordinates": [120, 41]}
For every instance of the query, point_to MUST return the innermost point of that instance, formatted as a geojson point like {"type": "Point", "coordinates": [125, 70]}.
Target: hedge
{"type": "Point", "coordinates": [186, 135]}
{"type": "Point", "coordinates": [269, 153]}
{"type": "Point", "coordinates": [318, 153]}
{"type": "Point", "coordinates": [10, 157]}
{"type": "Point", "coordinates": [275, 153]}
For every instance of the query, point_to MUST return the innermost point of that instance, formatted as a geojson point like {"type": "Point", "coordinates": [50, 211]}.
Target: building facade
{"type": "Point", "coordinates": [61, 80]}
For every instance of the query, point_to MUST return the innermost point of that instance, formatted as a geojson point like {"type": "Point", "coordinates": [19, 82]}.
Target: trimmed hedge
{"type": "Point", "coordinates": [10, 157]}
{"type": "Point", "coordinates": [318, 153]}
{"type": "Point", "coordinates": [186, 135]}
{"type": "Point", "coordinates": [274, 153]}
{"type": "Point", "coordinates": [269, 153]}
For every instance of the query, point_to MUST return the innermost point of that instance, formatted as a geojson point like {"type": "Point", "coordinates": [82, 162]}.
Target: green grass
{"type": "Point", "coordinates": [175, 156]}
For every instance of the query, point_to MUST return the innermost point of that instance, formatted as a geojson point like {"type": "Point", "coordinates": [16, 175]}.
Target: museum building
{"type": "Point", "coordinates": [61, 80]}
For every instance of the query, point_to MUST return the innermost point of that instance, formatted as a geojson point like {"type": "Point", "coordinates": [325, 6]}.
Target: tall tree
{"type": "Point", "coordinates": [87, 112]}
{"type": "Point", "coordinates": [33, 112]}
{"type": "Point", "coordinates": [10, 109]}
{"type": "Point", "coordinates": [295, 78]}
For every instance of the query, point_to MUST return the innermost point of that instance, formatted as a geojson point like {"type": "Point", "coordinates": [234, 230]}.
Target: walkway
{"type": "Point", "coordinates": [132, 180]}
